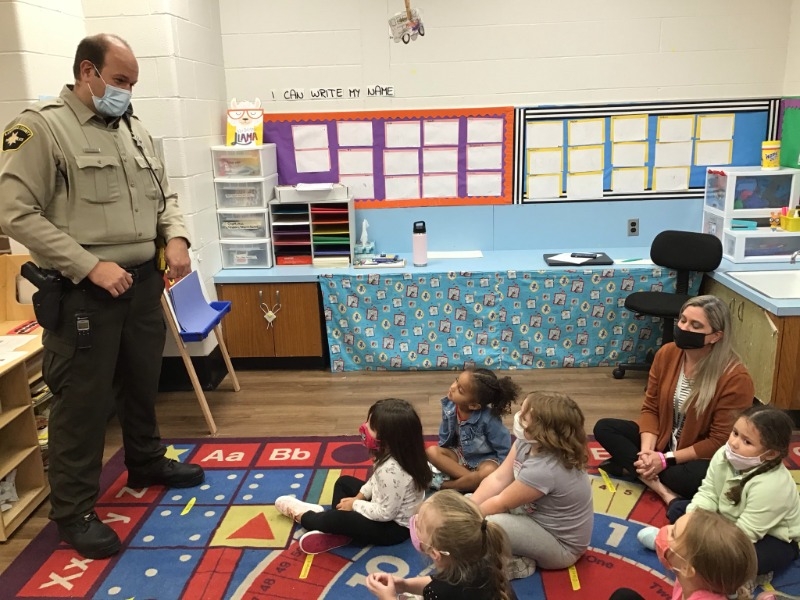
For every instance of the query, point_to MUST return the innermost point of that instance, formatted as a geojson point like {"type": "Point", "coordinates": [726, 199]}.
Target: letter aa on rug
{"type": "Point", "coordinates": [225, 540]}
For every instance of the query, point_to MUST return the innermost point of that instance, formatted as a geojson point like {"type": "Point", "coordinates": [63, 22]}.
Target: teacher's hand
{"type": "Point", "coordinates": [649, 464]}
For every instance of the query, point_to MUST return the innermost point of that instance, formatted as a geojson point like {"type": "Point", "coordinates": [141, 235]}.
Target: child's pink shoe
{"type": "Point", "coordinates": [317, 542]}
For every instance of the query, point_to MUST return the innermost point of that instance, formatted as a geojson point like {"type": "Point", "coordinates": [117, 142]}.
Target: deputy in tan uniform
{"type": "Point", "coordinates": [83, 188]}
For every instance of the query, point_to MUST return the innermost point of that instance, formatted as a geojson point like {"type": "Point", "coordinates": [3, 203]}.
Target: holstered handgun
{"type": "Point", "coordinates": [47, 298]}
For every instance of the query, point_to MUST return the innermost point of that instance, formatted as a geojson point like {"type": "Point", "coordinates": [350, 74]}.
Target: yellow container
{"type": "Point", "coordinates": [790, 223]}
{"type": "Point", "coordinates": [771, 155]}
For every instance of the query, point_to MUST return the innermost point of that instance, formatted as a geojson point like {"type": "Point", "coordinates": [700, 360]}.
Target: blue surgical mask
{"type": "Point", "coordinates": [114, 102]}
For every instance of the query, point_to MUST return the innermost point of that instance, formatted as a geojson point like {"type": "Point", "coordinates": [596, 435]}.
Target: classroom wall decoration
{"type": "Point", "coordinates": [400, 158]}
{"type": "Point", "coordinates": [790, 132]}
{"type": "Point", "coordinates": [634, 151]}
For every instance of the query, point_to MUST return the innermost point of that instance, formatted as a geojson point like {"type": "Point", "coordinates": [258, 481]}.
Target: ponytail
{"type": "Point", "coordinates": [734, 494]}
{"type": "Point", "coordinates": [495, 544]}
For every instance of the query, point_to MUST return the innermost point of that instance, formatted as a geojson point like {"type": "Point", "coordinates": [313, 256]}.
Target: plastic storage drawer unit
{"type": "Point", "coordinates": [242, 224]}
{"type": "Point", "coordinates": [245, 193]}
{"type": "Point", "coordinates": [246, 254]}
{"type": "Point", "coordinates": [250, 161]}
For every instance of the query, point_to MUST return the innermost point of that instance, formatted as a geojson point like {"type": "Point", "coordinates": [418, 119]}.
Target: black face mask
{"type": "Point", "coordinates": [689, 340]}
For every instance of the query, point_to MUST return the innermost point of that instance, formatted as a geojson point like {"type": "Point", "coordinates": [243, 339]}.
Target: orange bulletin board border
{"type": "Point", "coordinates": [278, 130]}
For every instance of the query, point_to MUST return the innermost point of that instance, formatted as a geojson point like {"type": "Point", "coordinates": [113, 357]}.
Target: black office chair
{"type": "Point", "coordinates": [684, 252]}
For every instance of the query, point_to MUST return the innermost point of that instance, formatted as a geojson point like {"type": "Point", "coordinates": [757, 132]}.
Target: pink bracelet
{"type": "Point", "coordinates": [663, 460]}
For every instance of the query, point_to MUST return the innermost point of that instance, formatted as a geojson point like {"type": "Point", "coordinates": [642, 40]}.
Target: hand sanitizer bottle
{"type": "Point", "coordinates": [420, 244]}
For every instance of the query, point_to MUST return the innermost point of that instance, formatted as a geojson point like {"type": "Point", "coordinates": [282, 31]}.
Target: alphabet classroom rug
{"type": "Point", "coordinates": [225, 540]}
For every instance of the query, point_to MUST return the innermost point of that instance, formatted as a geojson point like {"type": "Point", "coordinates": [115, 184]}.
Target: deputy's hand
{"type": "Point", "coordinates": [111, 277]}
{"type": "Point", "coordinates": [176, 255]}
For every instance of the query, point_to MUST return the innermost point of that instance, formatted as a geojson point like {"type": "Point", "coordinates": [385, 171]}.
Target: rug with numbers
{"type": "Point", "coordinates": [225, 540]}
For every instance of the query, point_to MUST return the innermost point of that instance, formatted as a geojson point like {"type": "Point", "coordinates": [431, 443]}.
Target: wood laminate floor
{"type": "Point", "coordinates": [286, 403]}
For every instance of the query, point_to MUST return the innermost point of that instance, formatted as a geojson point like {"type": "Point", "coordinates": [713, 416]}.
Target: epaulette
{"type": "Point", "coordinates": [45, 104]}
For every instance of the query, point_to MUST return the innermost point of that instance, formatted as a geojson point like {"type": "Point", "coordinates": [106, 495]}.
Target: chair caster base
{"type": "Point", "coordinates": [618, 373]}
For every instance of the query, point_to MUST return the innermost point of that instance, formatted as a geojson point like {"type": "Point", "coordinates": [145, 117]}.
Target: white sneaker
{"type": "Point", "coordinates": [519, 567]}
{"type": "Point", "coordinates": [293, 508]}
{"type": "Point", "coordinates": [647, 537]}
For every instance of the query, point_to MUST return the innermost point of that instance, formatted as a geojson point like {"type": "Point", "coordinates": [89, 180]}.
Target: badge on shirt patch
{"type": "Point", "coordinates": [16, 136]}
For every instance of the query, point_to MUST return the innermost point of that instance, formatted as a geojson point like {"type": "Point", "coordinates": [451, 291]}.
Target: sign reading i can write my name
{"type": "Point", "coordinates": [333, 93]}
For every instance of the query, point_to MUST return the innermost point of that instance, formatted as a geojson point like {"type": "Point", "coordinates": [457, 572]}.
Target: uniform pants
{"type": "Point", "coordinates": [351, 523]}
{"type": "Point", "coordinates": [622, 441]}
{"type": "Point", "coordinates": [122, 366]}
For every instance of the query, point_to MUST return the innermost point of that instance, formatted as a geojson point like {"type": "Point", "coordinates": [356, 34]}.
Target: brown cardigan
{"type": "Point", "coordinates": [734, 393]}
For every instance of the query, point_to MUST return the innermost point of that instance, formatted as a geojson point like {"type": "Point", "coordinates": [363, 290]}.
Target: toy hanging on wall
{"type": "Point", "coordinates": [245, 123]}
{"type": "Point", "coordinates": [406, 25]}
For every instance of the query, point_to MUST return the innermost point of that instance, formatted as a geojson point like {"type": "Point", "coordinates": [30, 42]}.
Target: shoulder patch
{"type": "Point", "coordinates": [16, 136]}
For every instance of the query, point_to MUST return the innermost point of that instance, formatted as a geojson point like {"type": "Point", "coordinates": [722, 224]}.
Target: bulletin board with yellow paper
{"type": "Point", "coordinates": [634, 151]}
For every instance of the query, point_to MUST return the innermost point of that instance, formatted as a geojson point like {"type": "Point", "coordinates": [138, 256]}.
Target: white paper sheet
{"type": "Point", "coordinates": [544, 187]}
{"type": "Point", "coordinates": [7, 357]}
{"type": "Point", "coordinates": [586, 132]}
{"type": "Point", "coordinates": [484, 131]}
{"type": "Point", "coordinates": [362, 187]}
{"type": "Point", "coordinates": [629, 128]}
{"type": "Point", "coordinates": [355, 162]}
{"type": "Point", "coordinates": [312, 161]}
{"type": "Point", "coordinates": [715, 127]}
{"type": "Point", "coordinates": [443, 132]}
{"type": "Point", "coordinates": [308, 137]}
{"type": "Point", "coordinates": [713, 153]}
{"type": "Point", "coordinates": [401, 162]}
{"type": "Point", "coordinates": [484, 184]}
{"type": "Point", "coordinates": [669, 179]}
{"type": "Point", "coordinates": [629, 154]}
{"type": "Point", "coordinates": [12, 342]}
{"type": "Point", "coordinates": [545, 161]}
{"type": "Point", "coordinates": [673, 154]}
{"type": "Point", "coordinates": [455, 254]}
{"type": "Point", "coordinates": [402, 134]}
{"type": "Point", "coordinates": [629, 180]}
{"type": "Point", "coordinates": [439, 160]}
{"type": "Point", "coordinates": [440, 186]}
{"type": "Point", "coordinates": [568, 258]}
{"type": "Point", "coordinates": [547, 134]}
{"type": "Point", "coordinates": [485, 157]}
{"type": "Point", "coordinates": [313, 187]}
{"type": "Point", "coordinates": [584, 159]}
{"type": "Point", "coordinates": [354, 133]}
{"type": "Point", "coordinates": [675, 128]}
{"type": "Point", "coordinates": [585, 186]}
{"type": "Point", "coordinates": [402, 188]}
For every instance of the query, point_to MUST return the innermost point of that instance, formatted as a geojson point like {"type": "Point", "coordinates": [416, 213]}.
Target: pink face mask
{"type": "Point", "coordinates": [367, 439]}
{"type": "Point", "coordinates": [662, 545]}
{"type": "Point", "coordinates": [412, 529]}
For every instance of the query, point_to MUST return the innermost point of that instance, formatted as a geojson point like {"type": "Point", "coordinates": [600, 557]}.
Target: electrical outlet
{"type": "Point", "coordinates": [633, 227]}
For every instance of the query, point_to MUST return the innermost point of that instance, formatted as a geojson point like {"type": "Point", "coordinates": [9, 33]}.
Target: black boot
{"type": "Point", "coordinates": [90, 537]}
{"type": "Point", "coordinates": [166, 472]}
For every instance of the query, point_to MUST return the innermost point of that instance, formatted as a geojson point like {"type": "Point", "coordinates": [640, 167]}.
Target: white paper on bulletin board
{"type": "Point", "coordinates": [402, 188]}
{"type": "Point", "coordinates": [669, 179]}
{"type": "Point", "coordinates": [484, 184]}
{"type": "Point", "coordinates": [401, 162]}
{"type": "Point", "coordinates": [629, 181]}
{"type": "Point", "coordinates": [362, 187]}
{"type": "Point", "coordinates": [443, 132]}
{"type": "Point", "coordinates": [312, 161]}
{"type": "Point", "coordinates": [586, 132]}
{"type": "Point", "coordinates": [629, 154]}
{"type": "Point", "coordinates": [547, 134]}
{"type": "Point", "coordinates": [715, 127]}
{"type": "Point", "coordinates": [585, 186]}
{"type": "Point", "coordinates": [713, 153]}
{"type": "Point", "coordinates": [544, 187]}
{"type": "Point", "coordinates": [545, 161]}
{"type": "Point", "coordinates": [402, 134]}
{"type": "Point", "coordinates": [584, 159]}
{"type": "Point", "coordinates": [675, 128]}
{"type": "Point", "coordinates": [485, 157]}
{"type": "Point", "coordinates": [354, 133]}
{"type": "Point", "coordinates": [439, 186]}
{"type": "Point", "coordinates": [309, 137]}
{"type": "Point", "coordinates": [629, 128]}
{"type": "Point", "coordinates": [484, 131]}
{"type": "Point", "coordinates": [355, 162]}
{"type": "Point", "coordinates": [673, 154]}
{"type": "Point", "coordinates": [440, 160]}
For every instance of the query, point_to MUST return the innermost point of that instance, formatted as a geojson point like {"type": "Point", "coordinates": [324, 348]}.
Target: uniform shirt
{"type": "Point", "coordinates": [391, 494]}
{"type": "Point", "coordinates": [75, 188]}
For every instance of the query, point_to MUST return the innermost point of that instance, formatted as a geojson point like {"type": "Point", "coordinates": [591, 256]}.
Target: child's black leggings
{"type": "Point", "coordinates": [351, 523]}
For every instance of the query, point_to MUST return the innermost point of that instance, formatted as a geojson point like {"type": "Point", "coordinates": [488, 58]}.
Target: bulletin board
{"type": "Point", "coordinates": [790, 132]}
{"type": "Point", "coordinates": [634, 151]}
{"type": "Point", "coordinates": [400, 158]}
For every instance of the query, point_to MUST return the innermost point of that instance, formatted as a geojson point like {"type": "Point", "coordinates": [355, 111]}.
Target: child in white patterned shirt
{"type": "Point", "coordinates": [377, 511]}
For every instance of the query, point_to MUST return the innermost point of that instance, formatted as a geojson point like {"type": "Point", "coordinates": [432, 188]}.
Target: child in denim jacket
{"type": "Point", "coordinates": [472, 438]}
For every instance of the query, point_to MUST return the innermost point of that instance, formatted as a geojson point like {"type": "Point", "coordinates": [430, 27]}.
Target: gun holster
{"type": "Point", "coordinates": [47, 298]}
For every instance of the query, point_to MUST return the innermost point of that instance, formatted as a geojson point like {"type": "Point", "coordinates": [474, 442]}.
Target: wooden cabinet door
{"type": "Point", "coordinates": [246, 331]}
{"type": "Point", "coordinates": [298, 326]}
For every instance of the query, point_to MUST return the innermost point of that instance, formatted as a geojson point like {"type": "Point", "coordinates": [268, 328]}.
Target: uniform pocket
{"type": "Point", "coordinates": [57, 360]}
{"type": "Point", "coordinates": [98, 178]}
{"type": "Point", "coordinates": [150, 171]}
